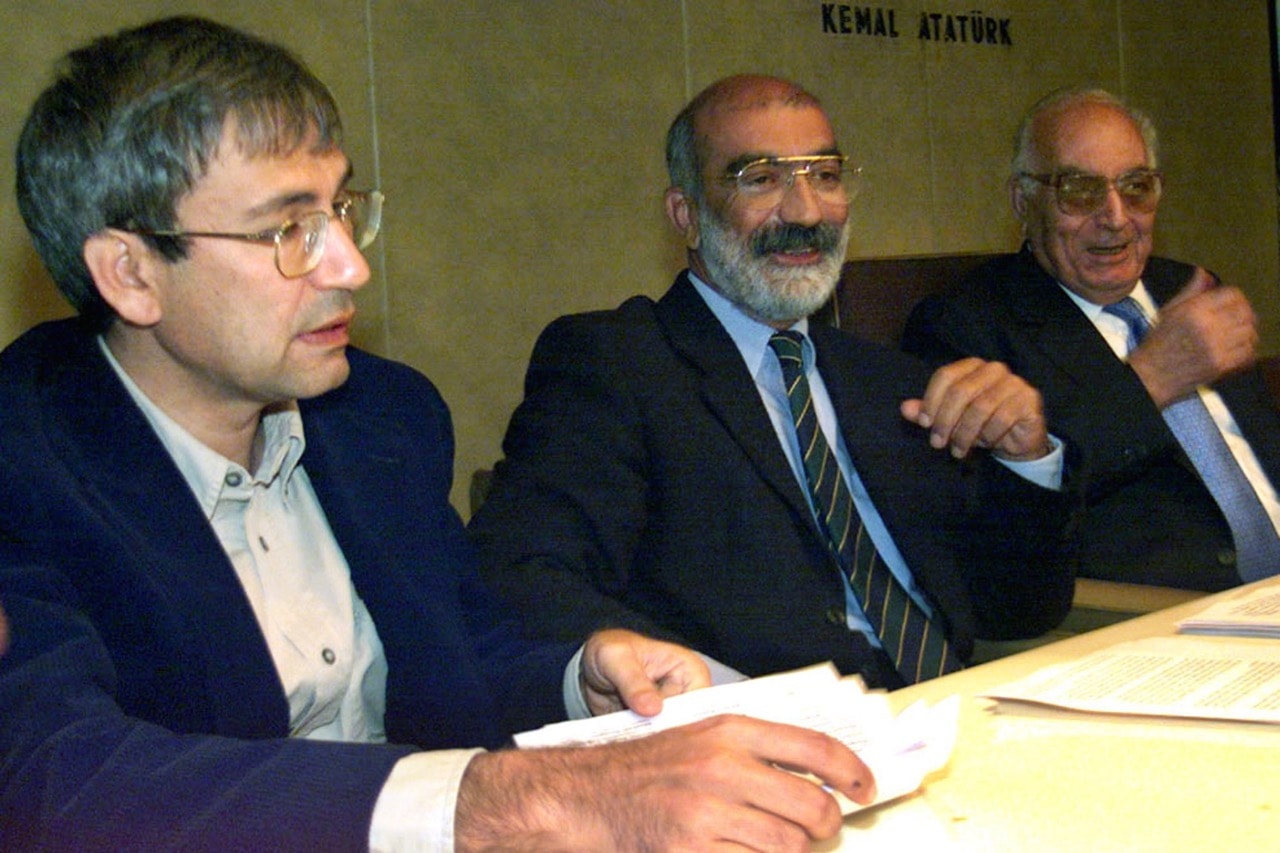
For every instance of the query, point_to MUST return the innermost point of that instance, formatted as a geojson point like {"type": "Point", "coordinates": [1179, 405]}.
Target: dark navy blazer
{"type": "Point", "coordinates": [138, 704]}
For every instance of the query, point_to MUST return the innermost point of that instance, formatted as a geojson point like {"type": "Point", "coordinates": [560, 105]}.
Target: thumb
{"type": "Point", "coordinates": [1201, 281]}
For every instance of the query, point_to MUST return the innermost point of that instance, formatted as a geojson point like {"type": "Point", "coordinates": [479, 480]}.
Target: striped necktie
{"type": "Point", "coordinates": [1257, 546]}
{"type": "Point", "coordinates": [917, 646]}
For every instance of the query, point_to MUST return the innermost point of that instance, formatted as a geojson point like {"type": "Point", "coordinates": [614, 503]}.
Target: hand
{"type": "Point", "coordinates": [975, 403]}
{"type": "Point", "coordinates": [711, 785]}
{"type": "Point", "coordinates": [623, 669]}
{"type": "Point", "coordinates": [1203, 334]}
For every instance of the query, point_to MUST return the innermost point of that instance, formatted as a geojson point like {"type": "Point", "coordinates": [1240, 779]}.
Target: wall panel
{"type": "Point", "coordinates": [520, 143]}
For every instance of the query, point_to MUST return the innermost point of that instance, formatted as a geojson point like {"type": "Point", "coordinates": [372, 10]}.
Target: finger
{"type": "Point", "coordinates": [1201, 280]}
{"type": "Point", "coordinates": [934, 411]}
{"type": "Point", "coordinates": [673, 668]}
{"type": "Point", "coordinates": [814, 753]}
{"type": "Point", "coordinates": [967, 407]}
{"type": "Point", "coordinates": [613, 676]}
{"type": "Point", "coordinates": [941, 383]}
{"type": "Point", "coordinates": [913, 410]}
{"type": "Point", "coordinates": [638, 671]}
{"type": "Point", "coordinates": [1016, 429]}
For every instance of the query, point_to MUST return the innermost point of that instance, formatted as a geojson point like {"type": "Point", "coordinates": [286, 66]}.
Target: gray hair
{"type": "Point", "coordinates": [685, 146]}
{"type": "Point", "coordinates": [1061, 100]}
{"type": "Point", "coordinates": [131, 123]}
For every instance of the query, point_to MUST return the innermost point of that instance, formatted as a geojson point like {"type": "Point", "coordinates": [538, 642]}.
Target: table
{"type": "Point", "coordinates": [1024, 779]}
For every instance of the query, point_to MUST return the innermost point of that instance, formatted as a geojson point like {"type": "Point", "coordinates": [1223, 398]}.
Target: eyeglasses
{"type": "Point", "coordinates": [1082, 194]}
{"type": "Point", "coordinates": [762, 184]}
{"type": "Point", "coordinates": [300, 242]}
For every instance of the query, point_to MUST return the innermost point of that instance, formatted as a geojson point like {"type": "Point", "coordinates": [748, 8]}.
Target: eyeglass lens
{"type": "Point", "coordinates": [1084, 194]}
{"type": "Point", "coordinates": [300, 247]}
{"type": "Point", "coordinates": [763, 184]}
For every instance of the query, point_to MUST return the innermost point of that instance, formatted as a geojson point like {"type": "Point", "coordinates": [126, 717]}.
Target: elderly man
{"type": "Point", "coordinates": [244, 615]}
{"type": "Point", "coordinates": [665, 471]}
{"type": "Point", "coordinates": [1146, 363]}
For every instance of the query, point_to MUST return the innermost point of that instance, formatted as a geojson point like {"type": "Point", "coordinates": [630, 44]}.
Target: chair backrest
{"type": "Point", "coordinates": [875, 295]}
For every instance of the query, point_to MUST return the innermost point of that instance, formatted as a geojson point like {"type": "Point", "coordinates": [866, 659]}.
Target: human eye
{"type": "Point", "coordinates": [342, 206]}
{"type": "Point", "coordinates": [760, 177]}
{"type": "Point", "coordinates": [303, 234]}
{"type": "Point", "coordinates": [826, 174]}
{"type": "Point", "coordinates": [1077, 185]}
{"type": "Point", "coordinates": [1138, 184]}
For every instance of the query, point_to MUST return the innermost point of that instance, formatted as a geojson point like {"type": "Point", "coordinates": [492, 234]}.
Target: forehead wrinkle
{"type": "Point", "coordinates": [295, 198]}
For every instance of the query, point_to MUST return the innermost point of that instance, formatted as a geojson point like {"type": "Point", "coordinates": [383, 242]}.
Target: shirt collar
{"type": "Point", "coordinates": [749, 335]}
{"type": "Point", "coordinates": [1093, 310]}
{"type": "Point", "coordinates": [207, 472]}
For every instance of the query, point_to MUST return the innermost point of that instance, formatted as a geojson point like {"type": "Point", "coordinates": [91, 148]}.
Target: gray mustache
{"type": "Point", "coordinates": [790, 237]}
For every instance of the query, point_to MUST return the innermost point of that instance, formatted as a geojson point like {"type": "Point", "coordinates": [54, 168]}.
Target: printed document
{"type": "Point", "coordinates": [900, 750]}
{"type": "Point", "coordinates": [1253, 612]}
{"type": "Point", "coordinates": [1163, 676]}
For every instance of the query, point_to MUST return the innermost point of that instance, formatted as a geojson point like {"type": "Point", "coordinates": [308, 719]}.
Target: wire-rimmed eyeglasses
{"type": "Point", "coordinates": [1083, 193]}
{"type": "Point", "coordinates": [299, 243]}
{"type": "Point", "coordinates": [762, 184]}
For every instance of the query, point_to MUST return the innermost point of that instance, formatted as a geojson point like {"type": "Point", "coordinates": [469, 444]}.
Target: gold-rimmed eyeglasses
{"type": "Point", "coordinates": [762, 184]}
{"type": "Point", "coordinates": [1083, 193]}
{"type": "Point", "coordinates": [299, 243]}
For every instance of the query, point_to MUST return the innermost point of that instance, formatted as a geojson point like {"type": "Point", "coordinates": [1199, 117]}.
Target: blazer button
{"type": "Point", "coordinates": [835, 615]}
{"type": "Point", "coordinates": [1227, 557]}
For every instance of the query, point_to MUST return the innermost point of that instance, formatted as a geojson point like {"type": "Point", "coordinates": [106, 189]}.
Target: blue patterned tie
{"type": "Point", "coordinates": [1257, 546]}
{"type": "Point", "coordinates": [917, 646]}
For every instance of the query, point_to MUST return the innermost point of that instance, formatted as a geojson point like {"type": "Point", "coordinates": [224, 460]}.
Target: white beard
{"type": "Point", "coordinates": [769, 292]}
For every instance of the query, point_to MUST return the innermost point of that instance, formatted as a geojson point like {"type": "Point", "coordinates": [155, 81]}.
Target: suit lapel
{"type": "Point", "coordinates": [129, 481]}
{"type": "Point", "coordinates": [1064, 336]}
{"type": "Point", "coordinates": [727, 387]}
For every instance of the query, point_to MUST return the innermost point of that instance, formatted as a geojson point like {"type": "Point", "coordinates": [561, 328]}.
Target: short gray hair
{"type": "Point", "coordinates": [132, 121]}
{"type": "Point", "coordinates": [1059, 101]}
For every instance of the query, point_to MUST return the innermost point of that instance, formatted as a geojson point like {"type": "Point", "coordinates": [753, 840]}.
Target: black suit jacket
{"type": "Point", "coordinates": [139, 705]}
{"type": "Point", "coordinates": [1149, 517]}
{"type": "Point", "coordinates": [644, 486]}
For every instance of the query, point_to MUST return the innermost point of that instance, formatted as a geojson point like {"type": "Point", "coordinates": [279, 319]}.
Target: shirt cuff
{"type": "Point", "coordinates": [575, 703]}
{"type": "Point", "coordinates": [1045, 471]}
{"type": "Point", "coordinates": [415, 809]}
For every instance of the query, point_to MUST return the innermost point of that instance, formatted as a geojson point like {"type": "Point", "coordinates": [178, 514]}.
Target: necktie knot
{"type": "Point", "coordinates": [789, 347]}
{"type": "Point", "coordinates": [1130, 311]}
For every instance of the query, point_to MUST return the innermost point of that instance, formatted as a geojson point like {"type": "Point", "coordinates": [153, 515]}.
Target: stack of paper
{"type": "Point", "coordinates": [1251, 613]}
{"type": "Point", "coordinates": [900, 751]}
{"type": "Point", "coordinates": [1162, 676]}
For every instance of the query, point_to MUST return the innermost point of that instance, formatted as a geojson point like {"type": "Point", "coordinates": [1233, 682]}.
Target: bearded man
{"type": "Point", "coordinates": [654, 475]}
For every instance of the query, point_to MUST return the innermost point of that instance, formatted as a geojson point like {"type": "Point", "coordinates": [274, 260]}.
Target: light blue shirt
{"type": "Point", "coordinates": [752, 340]}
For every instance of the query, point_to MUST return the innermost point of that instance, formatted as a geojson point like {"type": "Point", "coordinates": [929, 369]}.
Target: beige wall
{"type": "Point", "coordinates": [520, 144]}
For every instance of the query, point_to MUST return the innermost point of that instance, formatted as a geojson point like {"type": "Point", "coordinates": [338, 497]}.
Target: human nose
{"type": "Point", "coordinates": [342, 264]}
{"type": "Point", "coordinates": [800, 201]}
{"type": "Point", "coordinates": [1113, 210]}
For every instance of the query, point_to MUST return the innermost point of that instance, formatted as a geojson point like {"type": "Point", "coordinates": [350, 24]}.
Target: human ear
{"type": "Point", "coordinates": [1018, 199]}
{"type": "Point", "coordinates": [122, 267]}
{"type": "Point", "coordinates": [683, 214]}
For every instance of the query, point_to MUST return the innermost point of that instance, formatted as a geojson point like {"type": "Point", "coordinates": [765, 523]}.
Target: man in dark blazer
{"type": "Point", "coordinates": [1085, 187]}
{"type": "Point", "coordinates": [645, 482]}
{"type": "Point", "coordinates": [243, 613]}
